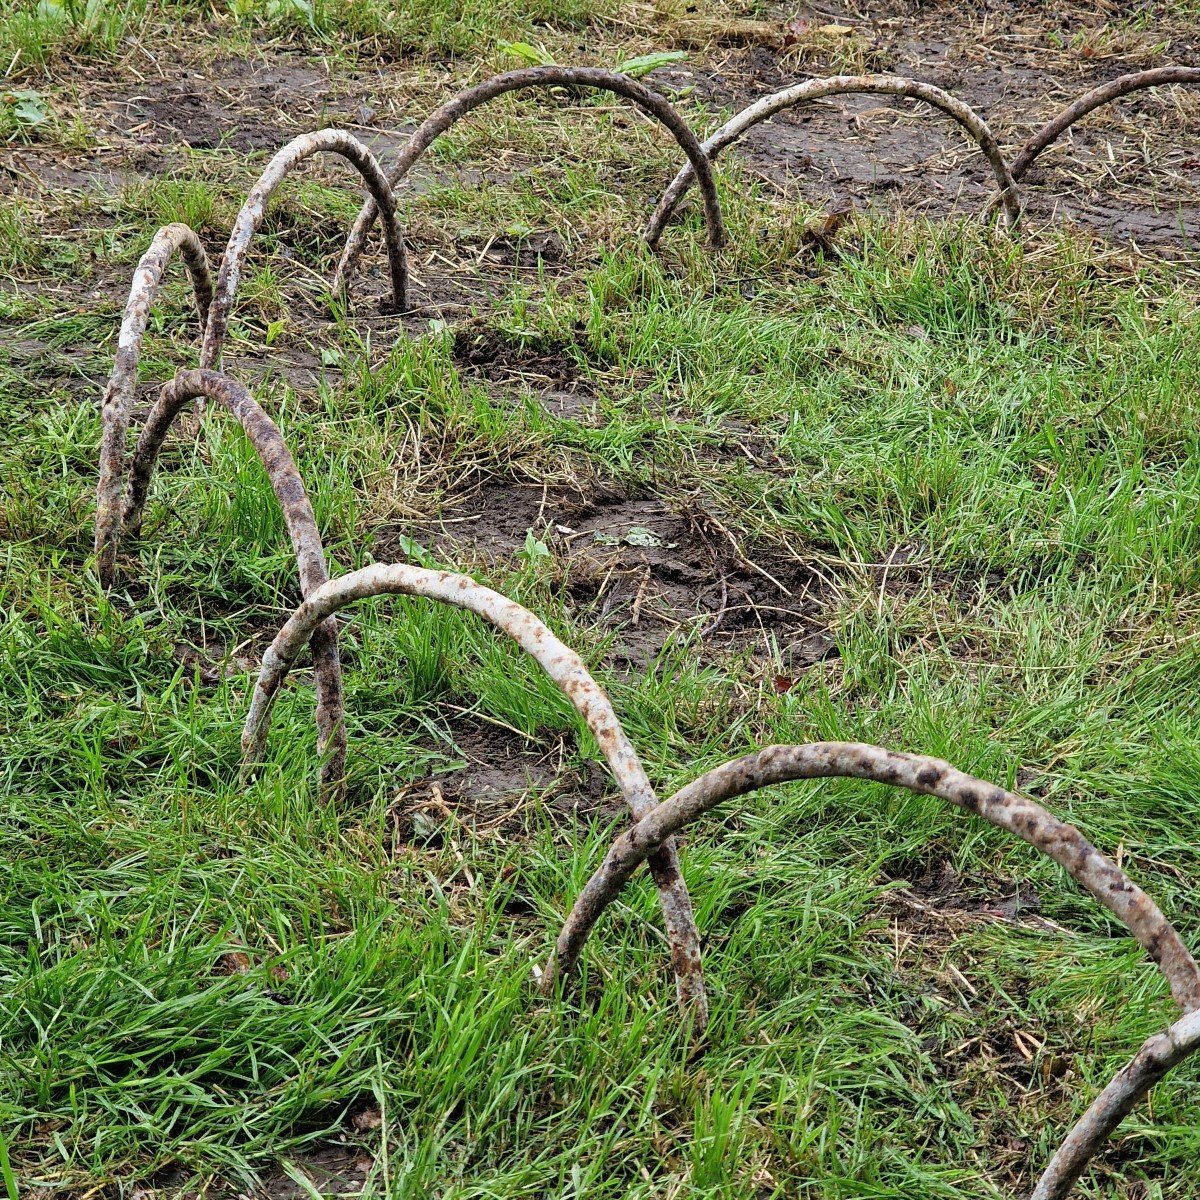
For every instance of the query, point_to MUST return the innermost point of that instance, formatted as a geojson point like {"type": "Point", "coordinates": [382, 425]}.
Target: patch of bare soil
{"type": "Point", "coordinates": [236, 105]}
{"type": "Point", "coordinates": [544, 365]}
{"type": "Point", "coordinates": [498, 764]}
{"type": "Point", "coordinates": [937, 896]}
{"type": "Point", "coordinates": [1129, 172]}
{"type": "Point", "coordinates": [494, 790]}
{"type": "Point", "coordinates": [331, 1169]}
{"type": "Point", "coordinates": [185, 113]}
{"type": "Point", "coordinates": [139, 126]}
{"type": "Point", "coordinates": [641, 566]}
{"type": "Point", "coordinates": [489, 353]}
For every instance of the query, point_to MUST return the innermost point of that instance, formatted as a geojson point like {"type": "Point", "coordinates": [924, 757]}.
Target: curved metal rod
{"type": "Point", "coordinates": [1156, 1057]}
{"type": "Point", "coordinates": [251, 215]}
{"type": "Point", "coordinates": [564, 667]}
{"type": "Point", "coordinates": [814, 89]}
{"type": "Point", "coordinates": [1089, 101]}
{"type": "Point", "coordinates": [1027, 820]}
{"type": "Point", "coordinates": [298, 516]}
{"type": "Point", "coordinates": [918, 773]}
{"type": "Point", "coordinates": [1104, 94]}
{"type": "Point", "coordinates": [122, 383]}
{"type": "Point", "coordinates": [610, 81]}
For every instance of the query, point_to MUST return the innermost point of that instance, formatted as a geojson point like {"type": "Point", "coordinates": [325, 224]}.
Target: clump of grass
{"type": "Point", "coordinates": [425, 28]}
{"type": "Point", "coordinates": [20, 238]}
{"type": "Point", "coordinates": [34, 31]}
{"type": "Point", "coordinates": [192, 200]}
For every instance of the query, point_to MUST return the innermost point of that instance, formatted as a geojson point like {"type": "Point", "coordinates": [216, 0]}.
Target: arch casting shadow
{"type": "Point", "coordinates": [251, 215]}
{"type": "Point", "coordinates": [836, 85]}
{"type": "Point", "coordinates": [298, 517]}
{"type": "Point", "coordinates": [122, 383]}
{"type": "Point", "coordinates": [568, 672]}
{"type": "Point", "coordinates": [1098, 875]}
{"type": "Point", "coordinates": [611, 81]}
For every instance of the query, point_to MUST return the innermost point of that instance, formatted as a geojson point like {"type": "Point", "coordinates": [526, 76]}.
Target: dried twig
{"type": "Point", "coordinates": [118, 396]}
{"type": "Point", "coordinates": [251, 215]}
{"type": "Point", "coordinates": [563, 666]}
{"type": "Point", "coordinates": [611, 81]}
{"type": "Point", "coordinates": [1156, 1057]}
{"type": "Point", "coordinates": [813, 89]}
{"type": "Point", "coordinates": [298, 516]}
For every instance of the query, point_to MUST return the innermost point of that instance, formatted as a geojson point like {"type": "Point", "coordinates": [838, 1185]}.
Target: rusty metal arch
{"type": "Point", "coordinates": [838, 85]}
{"type": "Point", "coordinates": [443, 117]}
{"type": "Point", "coordinates": [298, 517]}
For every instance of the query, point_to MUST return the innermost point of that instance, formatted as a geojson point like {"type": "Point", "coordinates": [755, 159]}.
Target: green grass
{"type": "Point", "coordinates": [38, 35]}
{"type": "Point", "coordinates": [33, 32]}
{"type": "Point", "coordinates": [1017, 416]}
{"type": "Point", "coordinates": [1051, 495]}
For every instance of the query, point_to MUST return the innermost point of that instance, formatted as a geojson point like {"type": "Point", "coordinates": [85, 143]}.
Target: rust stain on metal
{"type": "Point", "coordinates": [1027, 820]}
{"type": "Point", "coordinates": [1020, 816]}
{"type": "Point", "coordinates": [1127, 1088]}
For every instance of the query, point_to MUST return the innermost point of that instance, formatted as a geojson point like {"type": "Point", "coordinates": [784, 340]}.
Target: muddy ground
{"type": "Point", "coordinates": [1131, 172]}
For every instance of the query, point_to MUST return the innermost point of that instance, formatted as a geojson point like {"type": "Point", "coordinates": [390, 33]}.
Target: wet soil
{"type": "Point", "coordinates": [639, 565]}
{"type": "Point", "coordinates": [496, 782]}
{"type": "Point", "coordinates": [546, 366]}
{"type": "Point", "coordinates": [1129, 172]}
{"type": "Point", "coordinates": [331, 1169]}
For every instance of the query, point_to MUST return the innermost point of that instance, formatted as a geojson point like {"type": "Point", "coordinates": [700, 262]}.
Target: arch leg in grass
{"type": "Point", "coordinates": [1106, 93]}
{"type": "Point", "coordinates": [567, 671]}
{"type": "Point", "coordinates": [1124, 1092]}
{"type": "Point", "coordinates": [1097, 874]}
{"type": "Point", "coordinates": [251, 215]}
{"type": "Point", "coordinates": [118, 396]}
{"type": "Point", "coordinates": [298, 517]}
{"type": "Point", "coordinates": [837, 85]}
{"type": "Point", "coordinates": [541, 77]}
